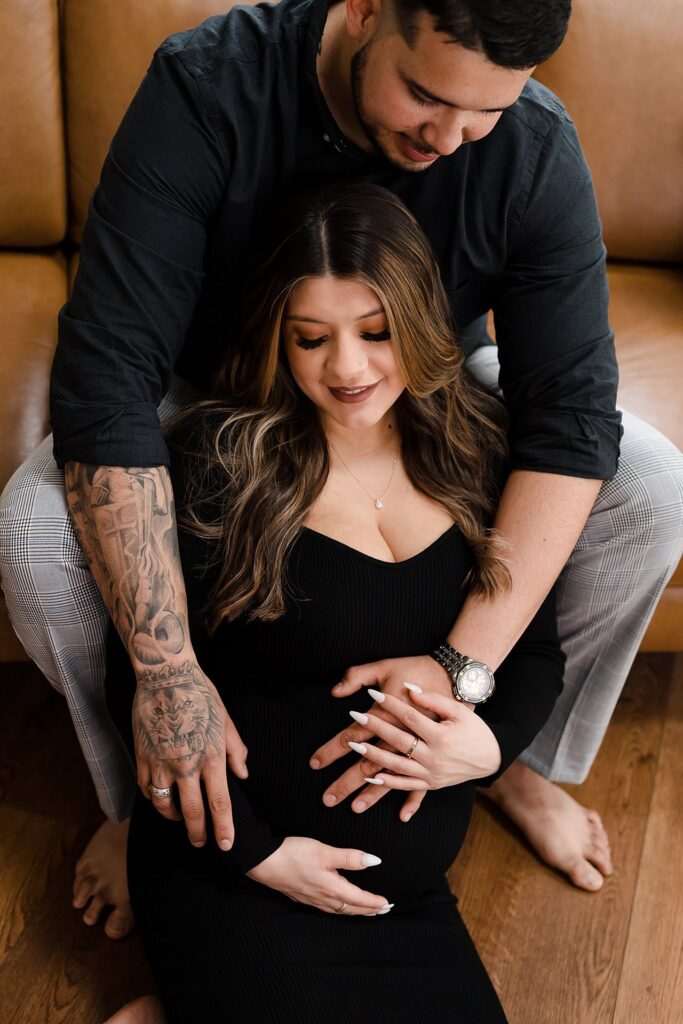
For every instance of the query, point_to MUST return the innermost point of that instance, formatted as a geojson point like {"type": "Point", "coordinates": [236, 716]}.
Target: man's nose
{"type": "Point", "coordinates": [445, 134]}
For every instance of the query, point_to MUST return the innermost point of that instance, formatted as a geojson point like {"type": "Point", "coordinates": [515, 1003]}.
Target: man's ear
{"type": "Point", "coordinates": [363, 18]}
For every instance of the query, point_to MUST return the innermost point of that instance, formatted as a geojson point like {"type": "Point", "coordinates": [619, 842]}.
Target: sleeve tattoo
{"type": "Point", "coordinates": [125, 523]}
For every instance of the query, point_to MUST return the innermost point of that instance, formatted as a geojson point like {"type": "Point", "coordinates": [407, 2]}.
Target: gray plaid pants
{"type": "Point", "coordinates": [607, 592]}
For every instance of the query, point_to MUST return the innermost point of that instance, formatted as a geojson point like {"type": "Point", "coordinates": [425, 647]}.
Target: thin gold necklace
{"type": "Point", "coordinates": [378, 501]}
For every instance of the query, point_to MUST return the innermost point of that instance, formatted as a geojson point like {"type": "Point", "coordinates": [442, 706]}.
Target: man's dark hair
{"type": "Point", "coordinates": [514, 34]}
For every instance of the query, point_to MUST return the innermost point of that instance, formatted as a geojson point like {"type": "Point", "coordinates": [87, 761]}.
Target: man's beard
{"type": "Point", "coordinates": [358, 64]}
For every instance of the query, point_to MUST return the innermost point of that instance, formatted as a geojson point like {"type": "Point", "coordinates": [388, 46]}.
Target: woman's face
{"type": "Point", "coordinates": [339, 350]}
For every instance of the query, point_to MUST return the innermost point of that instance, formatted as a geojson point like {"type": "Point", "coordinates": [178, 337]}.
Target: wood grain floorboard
{"type": "Point", "coordinates": [651, 984]}
{"type": "Point", "coordinates": [53, 969]}
{"type": "Point", "coordinates": [555, 953]}
{"type": "Point", "coordinates": [557, 956]}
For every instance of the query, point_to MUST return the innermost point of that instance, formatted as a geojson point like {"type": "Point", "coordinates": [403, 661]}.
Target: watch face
{"type": "Point", "coordinates": [475, 683]}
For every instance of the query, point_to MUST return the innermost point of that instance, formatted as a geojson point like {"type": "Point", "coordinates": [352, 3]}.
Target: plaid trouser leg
{"type": "Point", "coordinates": [607, 592]}
{"type": "Point", "coordinates": [58, 614]}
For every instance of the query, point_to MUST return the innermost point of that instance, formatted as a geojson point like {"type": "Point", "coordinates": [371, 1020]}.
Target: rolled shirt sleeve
{"type": "Point", "coordinates": [140, 274]}
{"type": "Point", "coordinates": [558, 366]}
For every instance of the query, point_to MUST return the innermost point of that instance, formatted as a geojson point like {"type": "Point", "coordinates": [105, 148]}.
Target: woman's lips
{"type": "Point", "coordinates": [414, 154]}
{"type": "Point", "coordinates": [352, 395]}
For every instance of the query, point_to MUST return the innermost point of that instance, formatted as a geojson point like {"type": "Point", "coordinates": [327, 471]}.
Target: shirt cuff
{"type": "Point", "coordinates": [108, 435]}
{"type": "Point", "coordinates": [569, 443]}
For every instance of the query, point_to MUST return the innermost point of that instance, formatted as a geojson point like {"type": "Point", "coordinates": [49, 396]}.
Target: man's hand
{"type": "Point", "coordinates": [181, 731]}
{"type": "Point", "coordinates": [388, 676]}
{"type": "Point", "coordinates": [124, 519]}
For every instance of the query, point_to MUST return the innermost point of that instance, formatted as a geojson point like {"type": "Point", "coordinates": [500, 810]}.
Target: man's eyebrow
{"type": "Point", "coordinates": [447, 103]}
{"type": "Point", "coordinates": [310, 320]}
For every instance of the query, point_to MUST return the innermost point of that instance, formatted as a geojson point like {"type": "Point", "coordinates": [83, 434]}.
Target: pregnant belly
{"type": "Point", "coordinates": [284, 791]}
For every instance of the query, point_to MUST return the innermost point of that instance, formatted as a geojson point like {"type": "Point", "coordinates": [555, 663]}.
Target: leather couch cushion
{"type": "Point", "coordinates": [32, 290]}
{"type": "Point", "coordinates": [646, 312]}
{"type": "Point", "coordinates": [108, 47]}
{"type": "Point", "coordinates": [620, 73]}
{"type": "Point", "coordinates": [32, 159]}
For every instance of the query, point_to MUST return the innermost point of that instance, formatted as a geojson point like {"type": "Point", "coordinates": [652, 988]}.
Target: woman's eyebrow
{"type": "Point", "coordinates": [311, 320]}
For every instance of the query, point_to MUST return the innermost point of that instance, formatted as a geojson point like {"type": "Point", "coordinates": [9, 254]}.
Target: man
{"type": "Point", "coordinates": [433, 100]}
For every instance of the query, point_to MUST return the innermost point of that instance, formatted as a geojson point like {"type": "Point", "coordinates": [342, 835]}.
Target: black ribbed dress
{"type": "Point", "coordinates": [226, 948]}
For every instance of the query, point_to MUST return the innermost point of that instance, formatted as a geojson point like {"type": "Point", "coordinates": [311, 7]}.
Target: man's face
{"type": "Point", "coordinates": [418, 104]}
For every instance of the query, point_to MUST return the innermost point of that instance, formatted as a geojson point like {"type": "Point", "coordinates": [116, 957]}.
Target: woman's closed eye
{"type": "Point", "coordinates": [308, 343]}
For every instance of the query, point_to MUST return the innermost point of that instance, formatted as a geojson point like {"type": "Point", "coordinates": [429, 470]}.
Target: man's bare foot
{"type": "Point", "coordinates": [564, 834]}
{"type": "Point", "coordinates": [146, 1010]}
{"type": "Point", "coordinates": [100, 880]}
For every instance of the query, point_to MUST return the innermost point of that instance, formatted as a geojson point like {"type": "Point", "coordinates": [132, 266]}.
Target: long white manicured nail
{"type": "Point", "coordinates": [375, 782]}
{"type": "Point", "coordinates": [369, 860]}
{"type": "Point", "coordinates": [385, 910]}
{"type": "Point", "coordinates": [359, 717]}
{"type": "Point", "coordinates": [413, 686]}
{"type": "Point", "coordinates": [377, 695]}
{"type": "Point", "coordinates": [360, 748]}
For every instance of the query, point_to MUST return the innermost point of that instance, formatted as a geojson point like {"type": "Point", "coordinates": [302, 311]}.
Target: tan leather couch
{"type": "Point", "coordinates": [68, 71]}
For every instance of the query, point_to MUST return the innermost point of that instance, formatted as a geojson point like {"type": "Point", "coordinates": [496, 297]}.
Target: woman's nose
{"type": "Point", "coordinates": [347, 361]}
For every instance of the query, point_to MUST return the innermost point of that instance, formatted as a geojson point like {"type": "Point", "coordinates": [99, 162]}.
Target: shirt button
{"type": "Point", "coordinates": [326, 138]}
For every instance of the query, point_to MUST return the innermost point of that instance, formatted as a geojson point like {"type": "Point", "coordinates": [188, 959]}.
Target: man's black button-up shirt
{"type": "Point", "coordinates": [227, 120]}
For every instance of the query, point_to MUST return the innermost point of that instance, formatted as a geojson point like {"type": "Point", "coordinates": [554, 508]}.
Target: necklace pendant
{"type": "Point", "coordinates": [379, 503]}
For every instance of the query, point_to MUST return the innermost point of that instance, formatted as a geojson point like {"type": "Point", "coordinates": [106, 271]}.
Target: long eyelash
{"type": "Point", "coordinates": [308, 344]}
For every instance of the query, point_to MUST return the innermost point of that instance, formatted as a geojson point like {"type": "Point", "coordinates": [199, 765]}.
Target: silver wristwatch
{"type": "Point", "coordinates": [472, 680]}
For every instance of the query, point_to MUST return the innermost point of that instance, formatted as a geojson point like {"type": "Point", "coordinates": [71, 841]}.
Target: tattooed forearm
{"type": "Point", "coordinates": [125, 523]}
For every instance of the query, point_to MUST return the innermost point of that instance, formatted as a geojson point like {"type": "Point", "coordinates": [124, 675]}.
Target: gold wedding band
{"type": "Point", "coordinates": [412, 749]}
{"type": "Point", "coordinates": [340, 910]}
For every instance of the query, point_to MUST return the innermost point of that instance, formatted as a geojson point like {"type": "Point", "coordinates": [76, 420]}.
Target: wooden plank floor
{"type": "Point", "coordinates": [557, 956]}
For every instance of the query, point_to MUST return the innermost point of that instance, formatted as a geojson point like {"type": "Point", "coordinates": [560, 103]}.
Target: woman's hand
{"type": "Point", "coordinates": [388, 676]}
{"type": "Point", "coordinates": [458, 748]}
{"type": "Point", "coordinates": [307, 871]}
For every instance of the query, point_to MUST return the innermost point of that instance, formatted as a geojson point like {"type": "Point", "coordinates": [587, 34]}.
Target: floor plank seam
{"type": "Point", "coordinates": [641, 854]}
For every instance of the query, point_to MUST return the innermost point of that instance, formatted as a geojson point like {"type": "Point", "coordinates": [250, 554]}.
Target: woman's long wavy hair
{"type": "Point", "coordinates": [261, 454]}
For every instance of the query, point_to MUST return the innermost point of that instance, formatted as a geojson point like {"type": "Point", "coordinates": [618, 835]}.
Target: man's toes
{"type": "Point", "coordinates": [595, 819]}
{"type": "Point", "coordinates": [602, 860]}
{"type": "Point", "coordinates": [94, 910]}
{"type": "Point", "coordinates": [585, 876]}
{"type": "Point", "coordinates": [599, 840]}
{"type": "Point", "coordinates": [83, 890]}
{"type": "Point", "coordinates": [83, 867]}
{"type": "Point", "coordinates": [119, 923]}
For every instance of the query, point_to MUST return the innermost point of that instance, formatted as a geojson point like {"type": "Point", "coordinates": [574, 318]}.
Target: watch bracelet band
{"type": "Point", "coordinates": [449, 658]}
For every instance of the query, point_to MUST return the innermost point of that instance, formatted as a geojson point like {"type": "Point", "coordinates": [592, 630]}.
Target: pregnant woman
{"type": "Point", "coordinates": [335, 500]}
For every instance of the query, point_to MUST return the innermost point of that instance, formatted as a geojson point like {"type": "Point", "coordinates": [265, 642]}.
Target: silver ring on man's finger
{"type": "Point", "coordinates": [160, 794]}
